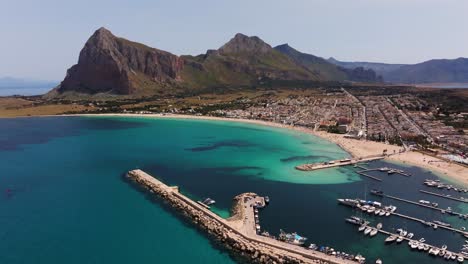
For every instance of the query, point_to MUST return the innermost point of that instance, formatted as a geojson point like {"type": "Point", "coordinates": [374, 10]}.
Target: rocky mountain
{"type": "Point", "coordinates": [243, 61]}
{"type": "Point", "coordinates": [111, 64]}
{"type": "Point", "coordinates": [327, 69]}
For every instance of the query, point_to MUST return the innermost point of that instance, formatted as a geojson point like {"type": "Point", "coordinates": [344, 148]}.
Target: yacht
{"type": "Point", "coordinates": [349, 202]}
{"type": "Point", "coordinates": [379, 226]}
{"type": "Point", "coordinates": [378, 261]}
{"type": "Point", "coordinates": [362, 227]}
{"type": "Point", "coordinates": [399, 239]}
{"type": "Point", "coordinates": [460, 259]}
{"type": "Point", "coordinates": [367, 231]}
{"type": "Point", "coordinates": [414, 245]}
{"type": "Point", "coordinates": [373, 232]}
{"type": "Point", "coordinates": [410, 235]}
{"type": "Point", "coordinates": [292, 238]}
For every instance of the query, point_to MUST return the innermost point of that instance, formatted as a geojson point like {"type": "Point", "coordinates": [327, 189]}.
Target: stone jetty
{"type": "Point", "coordinates": [237, 233]}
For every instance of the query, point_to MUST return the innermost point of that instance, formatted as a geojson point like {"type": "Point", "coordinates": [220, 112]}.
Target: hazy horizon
{"type": "Point", "coordinates": [47, 36]}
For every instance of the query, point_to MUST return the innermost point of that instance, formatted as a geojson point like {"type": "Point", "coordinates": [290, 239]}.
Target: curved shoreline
{"type": "Point", "coordinates": [356, 148]}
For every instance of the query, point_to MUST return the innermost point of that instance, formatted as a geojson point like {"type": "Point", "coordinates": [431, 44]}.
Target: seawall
{"type": "Point", "coordinates": [237, 233]}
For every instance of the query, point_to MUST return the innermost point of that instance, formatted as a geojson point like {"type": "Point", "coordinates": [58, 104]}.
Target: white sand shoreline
{"type": "Point", "coordinates": [356, 148]}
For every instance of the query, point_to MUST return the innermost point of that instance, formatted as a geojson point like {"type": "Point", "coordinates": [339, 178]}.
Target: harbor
{"type": "Point", "coordinates": [240, 232]}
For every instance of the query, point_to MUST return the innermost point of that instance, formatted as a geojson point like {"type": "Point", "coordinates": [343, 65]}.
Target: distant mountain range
{"type": "Point", "coordinates": [112, 65]}
{"type": "Point", "coordinates": [432, 71]}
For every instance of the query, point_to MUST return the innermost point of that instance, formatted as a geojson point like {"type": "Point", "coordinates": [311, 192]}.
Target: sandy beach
{"type": "Point", "coordinates": [356, 148]}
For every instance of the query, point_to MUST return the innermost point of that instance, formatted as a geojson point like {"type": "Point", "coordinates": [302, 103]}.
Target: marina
{"type": "Point", "coordinates": [403, 235]}
{"type": "Point", "coordinates": [377, 209]}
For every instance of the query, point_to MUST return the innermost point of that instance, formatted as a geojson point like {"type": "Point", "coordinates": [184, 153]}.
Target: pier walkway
{"type": "Point", "coordinates": [336, 163]}
{"type": "Point", "coordinates": [446, 196]}
{"type": "Point", "coordinates": [238, 231]}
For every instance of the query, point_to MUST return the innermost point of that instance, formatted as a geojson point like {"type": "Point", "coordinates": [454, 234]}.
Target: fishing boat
{"type": "Point", "coordinates": [390, 239]}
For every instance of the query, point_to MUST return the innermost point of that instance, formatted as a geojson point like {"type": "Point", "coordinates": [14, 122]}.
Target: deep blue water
{"type": "Point", "coordinates": [63, 199]}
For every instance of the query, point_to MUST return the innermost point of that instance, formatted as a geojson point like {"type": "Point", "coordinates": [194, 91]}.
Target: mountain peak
{"type": "Point", "coordinates": [241, 43]}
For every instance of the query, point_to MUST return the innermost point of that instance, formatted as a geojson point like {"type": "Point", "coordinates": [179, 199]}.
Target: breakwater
{"type": "Point", "coordinates": [236, 233]}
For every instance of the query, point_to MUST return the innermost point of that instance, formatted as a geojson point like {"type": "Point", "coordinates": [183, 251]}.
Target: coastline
{"type": "Point", "coordinates": [356, 148]}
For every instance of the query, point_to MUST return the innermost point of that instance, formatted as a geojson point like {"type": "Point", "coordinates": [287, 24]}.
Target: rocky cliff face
{"type": "Point", "coordinates": [111, 64]}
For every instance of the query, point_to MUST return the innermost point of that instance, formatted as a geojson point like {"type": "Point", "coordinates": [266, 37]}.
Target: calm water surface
{"type": "Point", "coordinates": [63, 198]}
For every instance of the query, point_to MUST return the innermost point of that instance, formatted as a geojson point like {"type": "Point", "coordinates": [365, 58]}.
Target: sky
{"type": "Point", "coordinates": [42, 39]}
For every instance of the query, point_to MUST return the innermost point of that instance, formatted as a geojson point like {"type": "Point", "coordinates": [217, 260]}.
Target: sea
{"type": "Point", "coordinates": [64, 198]}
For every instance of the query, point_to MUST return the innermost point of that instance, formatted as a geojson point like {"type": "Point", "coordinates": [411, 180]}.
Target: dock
{"type": "Point", "coordinates": [445, 196]}
{"type": "Point", "coordinates": [424, 205]}
{"type": "Point", "coordinates": [337, 163]}
{"type": "Point", "coordinates": [239, 232]}
{"type": "Point", "coordinates": [369, 176]}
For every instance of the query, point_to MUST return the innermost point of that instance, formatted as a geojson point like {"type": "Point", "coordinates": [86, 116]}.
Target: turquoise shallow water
{"type": "Point", "coordinates": [63, 198]}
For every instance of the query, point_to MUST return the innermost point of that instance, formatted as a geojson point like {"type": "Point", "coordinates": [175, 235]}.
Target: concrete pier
{"type": "Point", "coordinates": [237, 233]}
{"type": "Point", "coordinates": [445, 196]}
{"type": "Point", "coordinates": [336, 163]}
